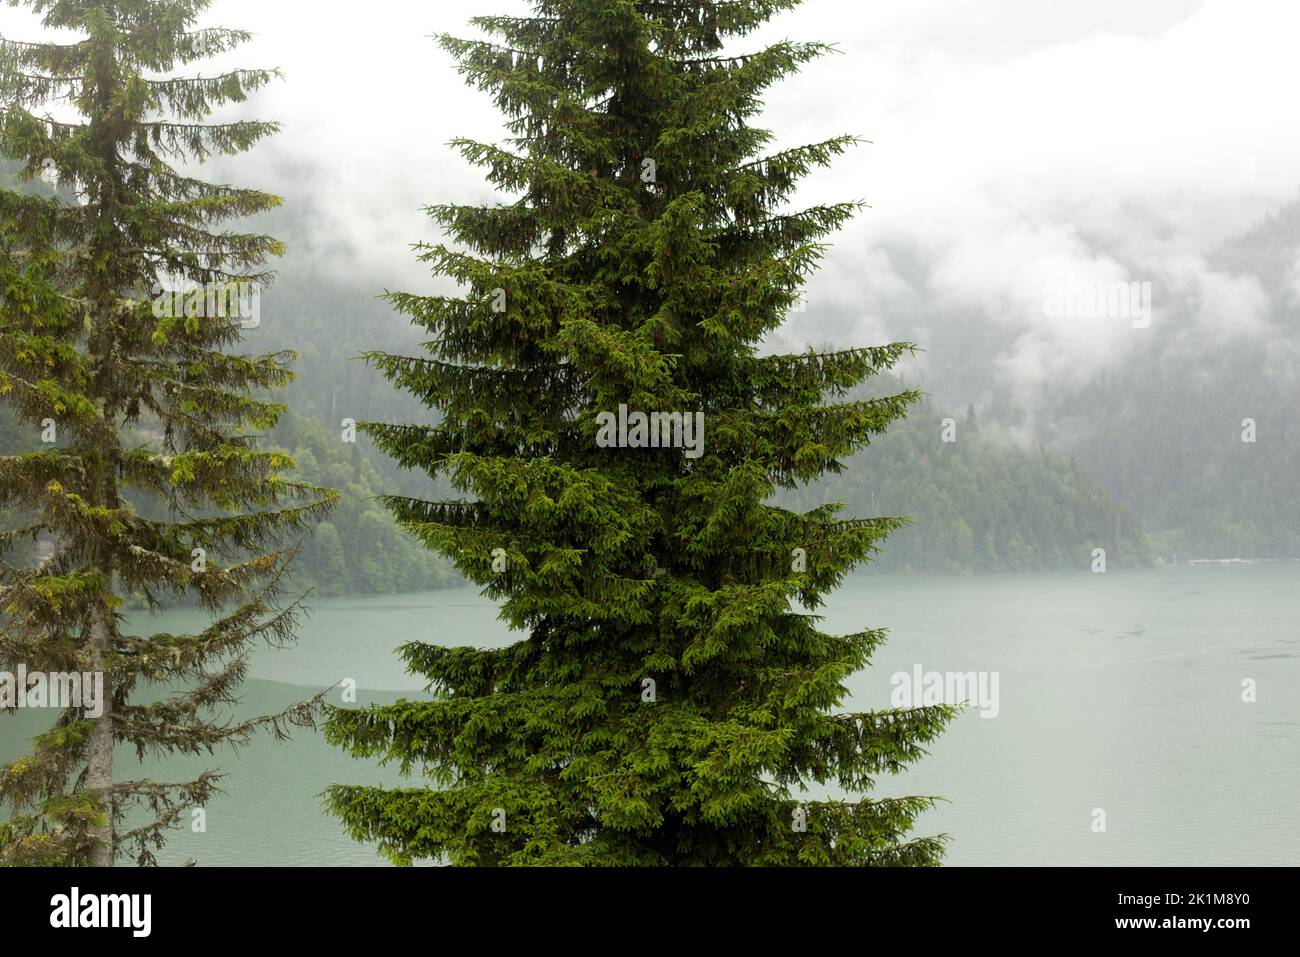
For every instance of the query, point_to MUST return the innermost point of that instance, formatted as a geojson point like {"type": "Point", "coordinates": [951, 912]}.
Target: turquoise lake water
{"type": "Point", "coordinates": [1120, 692]}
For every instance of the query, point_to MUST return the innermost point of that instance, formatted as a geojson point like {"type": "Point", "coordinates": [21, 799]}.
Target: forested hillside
{"type": "Point", "coordinates": [1167, 434]}
{"type": "Point", "coordinates": [977, 504]}
{"type": "Point", "coordinates": [359, 550]}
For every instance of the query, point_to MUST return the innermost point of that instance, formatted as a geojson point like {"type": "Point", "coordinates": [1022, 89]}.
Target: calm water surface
{"type": "Point", "coordinates": [1120, 692]}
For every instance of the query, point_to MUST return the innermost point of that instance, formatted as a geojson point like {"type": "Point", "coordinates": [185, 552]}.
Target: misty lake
{"type": "Point", "coordinates": [1121, 692]}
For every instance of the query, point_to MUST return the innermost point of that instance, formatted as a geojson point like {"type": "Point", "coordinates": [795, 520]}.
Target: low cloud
{"type": "Point", "coordinates": [1014, 144]}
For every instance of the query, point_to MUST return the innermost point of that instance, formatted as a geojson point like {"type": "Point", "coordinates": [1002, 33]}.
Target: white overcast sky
{"type": "Point", "coordinates": [1015, 143]}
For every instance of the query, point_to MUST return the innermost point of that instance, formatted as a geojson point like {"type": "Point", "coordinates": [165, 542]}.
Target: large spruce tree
{"type": "Point", "coordinates": [140, 398]}
{"type": "Point", "coordinates": [668, 702]}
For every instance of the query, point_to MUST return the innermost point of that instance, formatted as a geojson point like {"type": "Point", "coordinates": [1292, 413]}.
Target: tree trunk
{"type": "Point", "coordinates": [99, 745]}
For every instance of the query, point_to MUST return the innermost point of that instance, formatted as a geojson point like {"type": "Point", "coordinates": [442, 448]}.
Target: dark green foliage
{"type": "Point", "coordinates": [623, 565]}
{"type": "Point", "coordinates": [148, 408]}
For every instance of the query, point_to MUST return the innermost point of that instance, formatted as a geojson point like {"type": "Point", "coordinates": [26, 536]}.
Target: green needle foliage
{"type": "Point", "coordinates": [668, 705]}
{"type": "Point", "coordinates": [86, 360]}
